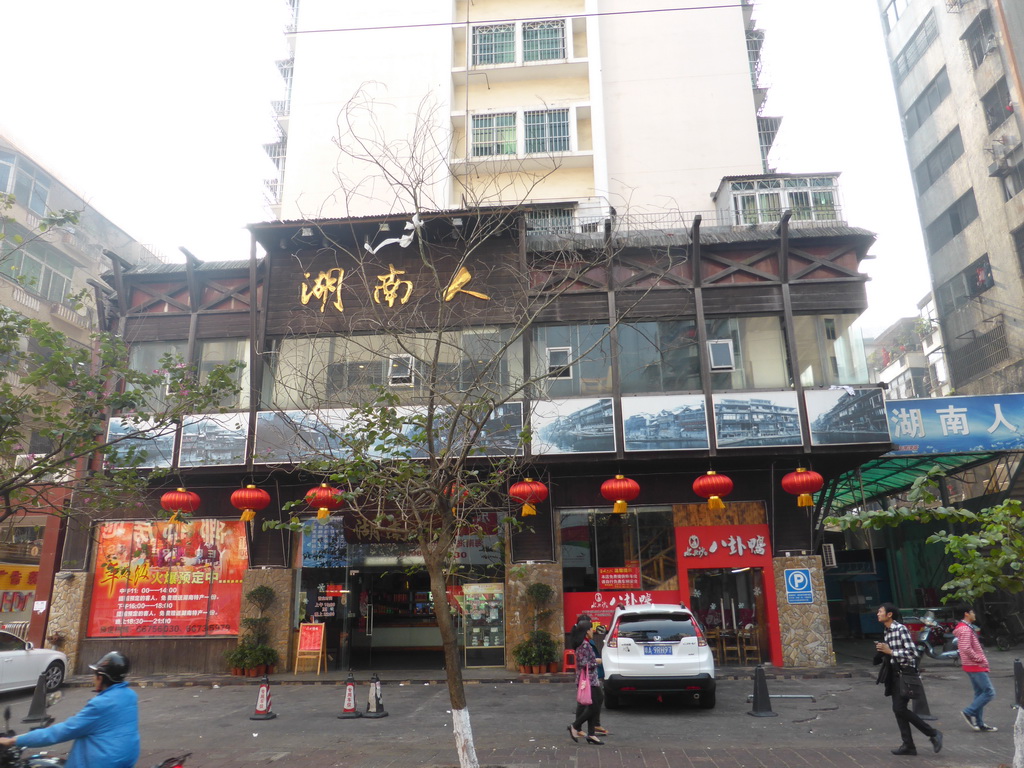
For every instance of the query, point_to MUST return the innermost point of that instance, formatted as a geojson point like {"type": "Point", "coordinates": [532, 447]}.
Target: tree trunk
{"type": "Point", "coordinates": [461, 727]}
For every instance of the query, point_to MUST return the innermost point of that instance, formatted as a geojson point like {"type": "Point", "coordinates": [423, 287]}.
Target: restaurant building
{"type": "Point", "coordinates": [715, 344]}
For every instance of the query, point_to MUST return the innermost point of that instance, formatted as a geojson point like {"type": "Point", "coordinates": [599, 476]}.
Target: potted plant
{"type": "Point", "coordinates": [524, 654]}
{"type": "Point", "coordinates": [545, 649]}
{"type": "Point", "coordinates": [253, 655]}
{"type": "Point", "coordinates": [236, 659]}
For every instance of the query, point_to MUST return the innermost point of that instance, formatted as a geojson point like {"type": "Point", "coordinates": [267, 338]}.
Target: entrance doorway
{"type": "Point", "coordinates": [730, 603]}
{"type": "Point", "coordinates": [394, 625]}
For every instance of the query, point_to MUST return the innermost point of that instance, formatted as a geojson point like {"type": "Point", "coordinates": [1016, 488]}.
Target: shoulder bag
{"type": "Point", "coordinates": [910, 684]}
{"type": "Point", "coordinates": [583, 695]}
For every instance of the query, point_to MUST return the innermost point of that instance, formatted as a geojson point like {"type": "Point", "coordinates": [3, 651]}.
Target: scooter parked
{"type": "Point", "coordinates": [937, 641]}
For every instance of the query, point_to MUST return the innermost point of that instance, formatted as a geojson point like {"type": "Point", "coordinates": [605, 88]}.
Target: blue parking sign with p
{"type": "Point", "coordinates": [798, 586]}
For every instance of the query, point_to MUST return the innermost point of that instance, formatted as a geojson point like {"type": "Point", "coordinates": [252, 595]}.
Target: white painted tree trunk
{"type": "Point", "coordinates": [464, 739]}
{"type": "Point", "coordinates": [1018, 739]}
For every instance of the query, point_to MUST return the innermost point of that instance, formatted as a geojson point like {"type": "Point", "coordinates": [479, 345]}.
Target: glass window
{"type": "Point", "coordinates": [643, 538]}
{"type": "Point", "coordinates": [346, 370]}
{"type": "Point", "coordinates": [939, 160]}
{"type": "Point", "coordinates": [585, 349]}
{"type": "Point", "coordinates": [916, 48]}
{"type": "Point", "coordinates": [547, 131]}
{"type": "Point", "coordinates": [981, 38]}
{"type": "Point", "coordinates": [951, 222]}
{"type": "Point", "coordinates": [31, 187]}
{"type": "Point", "coordinates": [147, 357]}
{"type": "Point", "coordinates": [39, 270]}
{"type": "Point", "coordinates": [494, 44]}
{"type": "Point", "coordinates": [494, 135]}
{"type": "Point", "coordinates": [543, 40]}
{"type": "Point", "coordinates": [6, 170]}
{"type": "Point", "coordinates": [831, 350]}
{"type": "Point", "coordinates": [222, 352]}
{"type": "Point", "coordinates": [759, 353]}
{"type": "Point", "coordinates": [659, 357]}
{"type": "Point", "coordinates": [934, 94]}
{"type": "Point", "coordinates": [998, 105]}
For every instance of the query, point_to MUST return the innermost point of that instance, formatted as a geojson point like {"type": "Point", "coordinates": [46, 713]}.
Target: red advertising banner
{"type": "Point", "coordinates": [618, 578]}
{"type": "Point", "coordinates": [163, 579]}
{"type": "Point", "coordinates": [599, 606]}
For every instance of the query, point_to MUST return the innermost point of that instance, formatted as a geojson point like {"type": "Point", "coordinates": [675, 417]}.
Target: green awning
{"type": "Point", "coordinates": [890, 475]}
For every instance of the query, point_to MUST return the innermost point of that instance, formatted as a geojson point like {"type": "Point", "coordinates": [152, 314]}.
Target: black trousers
{"type": "Point", "coordinates": [590, 713]}
{"type": "Point", "coordinates": [906, 718]}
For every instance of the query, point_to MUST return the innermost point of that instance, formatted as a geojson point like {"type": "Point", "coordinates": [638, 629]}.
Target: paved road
{"type": "Point", "coordinates": [519, 724]}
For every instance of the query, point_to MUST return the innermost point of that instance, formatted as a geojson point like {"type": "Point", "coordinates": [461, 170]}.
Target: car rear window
{"type": "Point", "coordinates": [656, 627]}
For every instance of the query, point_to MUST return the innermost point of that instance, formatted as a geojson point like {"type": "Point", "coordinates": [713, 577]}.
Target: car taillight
{"type": "Point", "coordinates": [613, 638]}
{"type": "Point", "coordinates": [701, 640]}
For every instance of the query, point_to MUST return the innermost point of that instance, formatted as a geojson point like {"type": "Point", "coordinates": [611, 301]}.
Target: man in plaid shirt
{"type": "Point", "coordinates": [899, 647]}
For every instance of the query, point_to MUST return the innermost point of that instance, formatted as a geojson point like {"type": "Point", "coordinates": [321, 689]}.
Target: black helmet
{"type": "Point", "coordinates": [114, 666]}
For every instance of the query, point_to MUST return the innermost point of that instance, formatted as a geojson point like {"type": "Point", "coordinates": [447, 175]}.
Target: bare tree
{"type": "Point", "coordinates": [440, 311]}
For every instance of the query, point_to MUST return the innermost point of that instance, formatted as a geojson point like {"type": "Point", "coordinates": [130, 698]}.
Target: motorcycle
{"type": "Point", "coordinates": [1007, 633]}
{"type": "Point", "coordinates": [937, 641]}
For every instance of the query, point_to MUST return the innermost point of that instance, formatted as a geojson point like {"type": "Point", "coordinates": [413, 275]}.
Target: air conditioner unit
{"type": "Point", "coordinates": [828, 555]}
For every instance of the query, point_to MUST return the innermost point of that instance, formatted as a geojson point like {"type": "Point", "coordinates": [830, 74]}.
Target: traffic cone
{"type": "Point", "coordinates": [762, 706]}
{"type": "Point", "coordinates": [349, 708]}
{"type": "Point", "coordinates": [37, 710]}
{"type": "Point", "coordinates": [263, 702]}
{"type": "Point", "coordinates": [374, 703]}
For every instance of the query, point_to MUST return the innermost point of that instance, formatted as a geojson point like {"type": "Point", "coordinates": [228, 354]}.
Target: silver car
{"type": "Point", "coordinates": [657, 649]}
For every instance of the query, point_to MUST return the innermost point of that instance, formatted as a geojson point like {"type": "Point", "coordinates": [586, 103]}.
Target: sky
{"type": "Point", "coordinates": [157, 114]}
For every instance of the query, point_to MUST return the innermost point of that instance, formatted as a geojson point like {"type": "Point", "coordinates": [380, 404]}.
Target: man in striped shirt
{"type": "Point", "coordinates": [899, 646]}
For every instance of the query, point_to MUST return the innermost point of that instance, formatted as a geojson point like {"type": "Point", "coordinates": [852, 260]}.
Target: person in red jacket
{"type": "Point", "coordinates": [975, 664]}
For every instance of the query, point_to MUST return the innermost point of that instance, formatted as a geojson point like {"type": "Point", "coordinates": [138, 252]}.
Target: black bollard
{"type": "Point", "coordinates": [762, 706]}
{"type": "Point", "coordinates": [1018, 683]}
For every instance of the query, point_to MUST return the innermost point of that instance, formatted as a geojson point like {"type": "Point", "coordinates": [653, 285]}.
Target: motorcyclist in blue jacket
{"type": "Point", "coordinates": [106, 730]}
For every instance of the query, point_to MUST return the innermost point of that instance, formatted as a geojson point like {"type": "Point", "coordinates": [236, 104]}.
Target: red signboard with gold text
{"type": "Point", "coordinates": [168, 579]}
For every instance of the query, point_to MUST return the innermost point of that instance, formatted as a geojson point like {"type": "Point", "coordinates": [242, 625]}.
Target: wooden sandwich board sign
{"type": "Point", "coordinates": [311, 645]}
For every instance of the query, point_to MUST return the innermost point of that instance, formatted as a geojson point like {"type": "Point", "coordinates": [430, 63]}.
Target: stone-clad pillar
{"type": "Point", "coordinates": [804, 628]}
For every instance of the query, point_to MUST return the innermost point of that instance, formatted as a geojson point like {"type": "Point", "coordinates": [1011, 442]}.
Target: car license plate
{"type": "Point", "coordinates": [657, 650]}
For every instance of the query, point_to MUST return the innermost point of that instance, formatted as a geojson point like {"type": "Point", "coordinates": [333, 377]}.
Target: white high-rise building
{"type": "Point", "coordinates": [957, 65]}
{"type": "Point", "coordinates": [586, 107]}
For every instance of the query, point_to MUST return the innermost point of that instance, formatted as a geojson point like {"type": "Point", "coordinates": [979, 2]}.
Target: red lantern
{"type": "Point", "coordinates": [621, 490]}
{"type": "Point", "coordinates": [802, 484]}
{"type": "Point", "coordinates": [179, 501]}
{"type": "Point", "coordinates": [713, 487]}
{"type": "Point", "coordinates": [324, 498]}
{"type": "Point", "coordinates": [530, 493]}
{"type": "Point", "coordinates": [250, 500]}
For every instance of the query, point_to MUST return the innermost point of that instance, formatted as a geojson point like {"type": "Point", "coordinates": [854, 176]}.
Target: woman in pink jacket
{"type": "Point", "coordinates": [975, 664]}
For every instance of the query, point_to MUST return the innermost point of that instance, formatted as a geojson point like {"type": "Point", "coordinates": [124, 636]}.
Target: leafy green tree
{"type": "Point", "coordinates": [56, 395]}
{"type": "Point", "coordinates": [987, 552]}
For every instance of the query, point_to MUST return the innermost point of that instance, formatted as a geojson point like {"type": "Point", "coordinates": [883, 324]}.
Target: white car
{"type": "Point", "coordinates": [21, 664]}
{"type": "Point", "coordinates": [657, 649]}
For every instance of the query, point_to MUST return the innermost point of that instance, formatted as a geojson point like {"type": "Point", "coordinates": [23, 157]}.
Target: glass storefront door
{"type": "Point", "coordinates": [730, 603]}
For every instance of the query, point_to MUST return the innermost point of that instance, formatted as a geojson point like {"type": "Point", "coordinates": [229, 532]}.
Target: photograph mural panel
{"type": "Point", "coordinates": [756, 419]}
{"type": "Point", "coordinates": [585, 425]}
{"type": "Point", "coordinates": [161, 579]}
{"type": "Point", "coordinates": [213, 439]}
{"type": "Point", "coordinates": [957, 424]}
{"type": "Point", "coordinates": [847, 415]}
{"type": "Point", "coordinates": [288, 437]}
{"type": "Point", "coordinates": [657, 423]}
{"type": "Point", "coordinates": [132, 441]}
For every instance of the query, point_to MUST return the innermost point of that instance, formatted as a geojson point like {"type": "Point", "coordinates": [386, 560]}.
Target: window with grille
{"type": "Point", "coordinates": [980, 38]}
{"type": "Point", "coordinates": [1018, 246]}
{"type": "Point", "coordinates": [494, 44]}
{"type": "Point", "coordinates": [970, 282]}
{"type": "Point", "coordinates": [547, 131]}
{"type": "Point", "coordinates": [494, 135]}
{"type": "Point", "coordinates": [543, 40]}
{"type": "Point", "coordinates": [939, 160]}
{"type": "Point", "coordinates": [997, 105]}
{"type": "Point", "coordinates": [951, 222]}
{"type": "Point", "coordinates": [915, 49]}
{"type": "Point", "coordinates": [550, 220]}
{"type": "Point", "coordinates": [934, 94]}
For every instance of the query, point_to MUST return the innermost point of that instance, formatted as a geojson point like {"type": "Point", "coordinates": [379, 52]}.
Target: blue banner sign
{"type": "Point", "coordinates": [980, 424]}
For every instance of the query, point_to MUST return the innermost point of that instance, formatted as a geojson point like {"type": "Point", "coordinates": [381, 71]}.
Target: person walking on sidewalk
{"type": "Point", "coordinates": [897, 650]}
{"type": "Point", "coordinates": [975, 664]}
{"type": "Point", "coordinates": [586, 664]}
